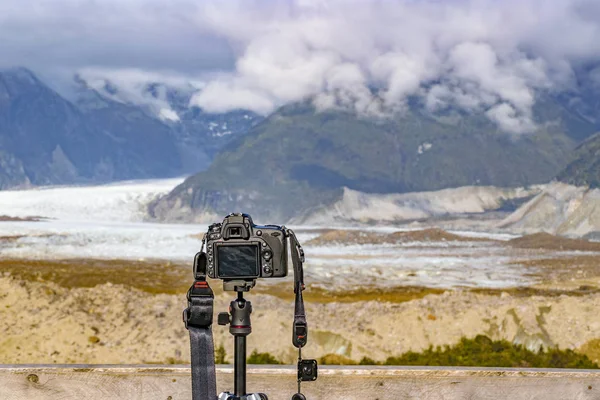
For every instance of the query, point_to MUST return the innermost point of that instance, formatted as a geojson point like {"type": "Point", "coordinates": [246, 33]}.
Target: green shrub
{"type": "Point", "coordinates": [483, 352]}
{"type": "Point", "coordinates": [336, 359]}
{"type": "Point", "coordinates": [262, 358]}
{"type": "Point", "coordinates": [220, 355]}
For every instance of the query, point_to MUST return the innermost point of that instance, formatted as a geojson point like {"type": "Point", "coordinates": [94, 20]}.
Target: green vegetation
{"type": "Point", "coordinates": [585, 169]}
{"type": "Point", "coordinates": [158, 276]}
{"type": "Point", "coordinates": [220, 355]}
{"type": "Point", "coordinates": [262, 358]}
{"type": "Point", "coordinates": [483, 352]}
{"type": "Point", "coordinates": [480, 352]}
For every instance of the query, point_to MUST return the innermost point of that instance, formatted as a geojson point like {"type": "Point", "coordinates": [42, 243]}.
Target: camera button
{"type": "Point", "coordinates": [267, 255]}
{"type": "Point", "coordinates": [259, 233]}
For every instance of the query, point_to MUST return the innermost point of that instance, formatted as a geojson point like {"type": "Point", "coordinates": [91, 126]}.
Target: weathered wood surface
{"type": "Point", "coordinates": [99, 382]}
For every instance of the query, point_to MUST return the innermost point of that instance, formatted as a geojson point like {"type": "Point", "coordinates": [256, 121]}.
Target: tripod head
{"type": "Point", "coordinates": [239, 286]}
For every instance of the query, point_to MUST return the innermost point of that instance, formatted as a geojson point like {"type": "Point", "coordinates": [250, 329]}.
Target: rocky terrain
{"type": "Point", "coordinates": [370, 208]}
{"type": "Point", "coordinates": [560, 209]}
{"type": "Point", "coordinates": [111, 323]}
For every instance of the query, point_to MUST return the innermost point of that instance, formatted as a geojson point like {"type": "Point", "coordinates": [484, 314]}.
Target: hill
{"type": "Point", "coordinates": [298, 159]}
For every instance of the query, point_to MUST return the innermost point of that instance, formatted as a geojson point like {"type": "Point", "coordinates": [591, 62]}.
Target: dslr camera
{"type": "Point", "coordinates": [237, 249]}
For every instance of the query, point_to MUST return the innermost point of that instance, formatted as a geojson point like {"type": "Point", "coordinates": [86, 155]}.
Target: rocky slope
{"type": "Point", "coordinates": [298, 159]}
{"type": "Point", "coordinates": [357, 207]}
{"type": "Point", "coordinates": [559, 209]}
{"type": "Point", "coordinates": [117, 324]}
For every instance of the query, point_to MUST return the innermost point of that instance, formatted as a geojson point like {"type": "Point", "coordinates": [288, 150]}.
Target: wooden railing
{"type": "Point", "coordinates": [167, 382]}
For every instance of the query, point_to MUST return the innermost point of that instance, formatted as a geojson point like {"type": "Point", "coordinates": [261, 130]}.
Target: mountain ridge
{"type": "Point", "coordinates": [298, 159]}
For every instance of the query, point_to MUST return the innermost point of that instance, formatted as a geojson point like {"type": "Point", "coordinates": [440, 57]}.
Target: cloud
{"type": "Point", "coordinates": [483, 55]}
{"type": "Point", "coordinates": [487, 56]}
{"type": "Point", "coordinates": [57, 38]}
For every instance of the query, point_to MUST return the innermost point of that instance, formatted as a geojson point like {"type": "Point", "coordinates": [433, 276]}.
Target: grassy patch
{"type": "Point", "coordinates": [591, 349]}
{"type": "Point", "coordinates": [262, 358]}
{"type": "Point", "coordinates": [484, 352]}
{"type": "Point", "coordinates": [220, 355]}
{"type": "Point", "coordinates": [164, 277]}
{"type": "Point", "coordinates": [536, 291]}
{"type": "Point", "coordinates": [481, 352]}
{"type": "Point", "coordinates": [317, 295]}
{"type": "Point", "coordinates": [149, 276]}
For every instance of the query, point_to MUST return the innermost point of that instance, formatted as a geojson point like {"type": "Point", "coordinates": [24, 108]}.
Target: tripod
{"type": "Point", "coordinates": [240, 326]}
{"type": "Point", "coordinates": [198, 316]}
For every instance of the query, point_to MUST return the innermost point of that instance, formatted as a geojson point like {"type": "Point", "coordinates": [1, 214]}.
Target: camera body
{"type": "Point", "coordinates": [237, 249]}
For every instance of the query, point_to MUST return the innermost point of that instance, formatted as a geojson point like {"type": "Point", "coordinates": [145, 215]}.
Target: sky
{"type": "Point", "coordinates": [488, 56]}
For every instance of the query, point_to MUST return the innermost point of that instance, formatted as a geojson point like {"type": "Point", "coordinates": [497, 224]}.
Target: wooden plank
{"type": "Point", "coordinates": [100, 382]}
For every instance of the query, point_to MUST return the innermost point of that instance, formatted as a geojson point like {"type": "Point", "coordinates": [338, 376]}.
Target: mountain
{"type": "Point", "coordinates": [299, 159]}
{"type": "Point", "coordinates": [584, 170]}
{"type": "Point", "coordinates": [143, 146]}
{"type": "Point", "coordinates": [96, 137]}
{"type": "Point", "coordinates": [46, 139]}
{"type": "Point", "coordinates": [570, 207]}
{"type": "Point", "coordinates": [197, 134]}
{"type": "Point", "coordinates": [41, 134]}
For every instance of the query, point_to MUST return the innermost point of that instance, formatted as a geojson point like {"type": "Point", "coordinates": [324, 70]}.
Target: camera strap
{"type": "Point", "coordinates": [300, 327]}
{"type": "Point", "coordinates": [198, 319]}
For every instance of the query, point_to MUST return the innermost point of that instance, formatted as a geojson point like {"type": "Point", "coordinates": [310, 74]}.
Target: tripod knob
{"type": "Point", "coordinates": [223, 318]}
{"type": "Point", "coordinates": [298, 396]}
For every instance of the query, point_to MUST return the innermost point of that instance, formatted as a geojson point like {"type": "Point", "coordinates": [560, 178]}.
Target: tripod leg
{"type": "Point", "coordinates": [240, 366]}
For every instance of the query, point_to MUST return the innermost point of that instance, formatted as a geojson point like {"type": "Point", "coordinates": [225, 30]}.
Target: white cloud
{"type": "Point", "coordinates": [224, 95]}
{"type": "Point", "coordinates": [482, 55]}
{"type": "Point", "coordinates": [487, 56]}
{"type": "Point", "coordinates": [509, 120]}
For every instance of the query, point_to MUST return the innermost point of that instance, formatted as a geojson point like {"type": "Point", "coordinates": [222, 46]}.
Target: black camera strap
{"type": "Point", "coordinates": [198, 319]}
{"type": "Point", "coordinates": [300, 327]}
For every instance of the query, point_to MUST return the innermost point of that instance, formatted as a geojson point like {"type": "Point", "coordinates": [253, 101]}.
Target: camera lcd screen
{"type": "Point", "coordinates": [237, 261]}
